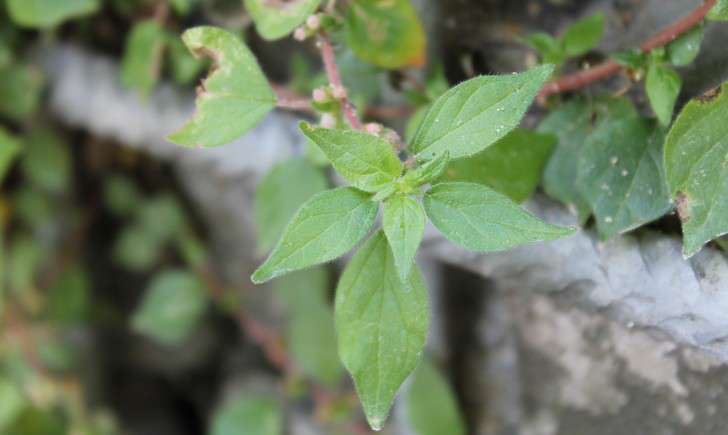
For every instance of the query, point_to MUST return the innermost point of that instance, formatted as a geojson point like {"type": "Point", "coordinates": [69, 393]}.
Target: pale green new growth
{"type": "Point", "coordinates": [364, 160]}
{"type": "Point", "coordinates": [233, 99]}
{"type": "Point", "coordinates": [274, 20]}
{"type": "Point", "coordinates": [696, 164]}
{"type": "Point", "coordinates": [481, 219]}
{"type": "Point", "coordinates": [172, 307]}
{"type": "Point", "coordinates": [431, 407]}
{"type": "Point", "coordinates": [663, 87]}
{"type": "Point", "coordinates": [48, 13]}
{"type": "Point", "coordinates": [143, 56]}
{"type": "Point", "coordinates": [620, 170]}
{"type": "Point", "coordinates": [426, 172]}
{"type": "Point", "coordinates": [280, 194]}
{"type": "Point", "coordinates": [403, 221]}
{"type": "Point", "coordinates": [475, 114]}
{"type": "Point", "coordinates": [247, 414]}
{"type": "Point", "coordinates": [381, 322]}
{"type": "Point", "coordinates": [326, 227]}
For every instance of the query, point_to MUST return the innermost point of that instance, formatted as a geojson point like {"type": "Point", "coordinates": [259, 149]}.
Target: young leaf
{"type": "Point", "coordinates": [481, 219]}
{"type": "Point", "coordinates": [621, 173]}
{"type": "Point", "coordinates": [475, 114]}
{"type": "Point", "coordinates": [381, 322]}
{"type": "Point", "coordinates": [512, 166]}
{"type": "Point", "coordinates": [172, 307]}
{"type": "Point", "coordinates": [426, 172]}
{"type": "Point", "coordinates": [143, 56]}
{"type": "Point", "coordinates": [663, 87]}
{"type": "Point", "coordinates": [280, 193]}
{"type": "Point", "coordinates": [48, 13]}
{"type": "Point", "coordinates": [366, 161]}
{"type": "Point", "coordinates": [233, 99]}
{"type": "Point", "coordinates": [685, 49]}
{"type": "Point", "coordinates": [549, 48]}
{"type": "Point", "coordinates": [632, 58]}
{"type": "Point", "coordinates": [697, 169]}
{"type": "Point", "coordinates": [386, 33]}
{"type": "Point", "coordinates": [274, 20]}
{"type": "Point", "coordinates": [20, 90]}
{"type": "Point", "coordinates": [247, 414]}
{"type": "Point", "coordinates": [403, 221]}
{"type": "Point", "coordinates": [719, 12]}
{"type": "Point", "coordinates": [326, 227]}
{"type": "Point", "coordinates": [571, 123]}
{"type": "Point", "coordinates": [583, 35]}
{"type": "Point", "coordinates": [9, 149]}
{"type": "Point", "coordinates": [430, 403]}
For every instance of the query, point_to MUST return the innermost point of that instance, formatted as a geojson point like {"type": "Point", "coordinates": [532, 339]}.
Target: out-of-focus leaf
{"type": "Point", "coordinates": [303, 79]}
{"type": "Point", "coordinates": [431, 407]}
{"type": "Point", "coordinates": [184, 66]}
{"type": "Point", "coordinates": [686, 48]}
{"type": "Point", "coordinates": [312, 341]}
{"type": "Point", "coordinates": [549, 48]}
{"type": "Point", "coordinates": [134, 250]}
{"type": "Point", "coordinates": [247, 414]}
{"type": "Point", "coordinates": [20, 89]}
{"type": "Point", "coordinates": [696, 164]}
{"type": "Point", "coordinates": [583, 35]}
{"type": "Point", "coordinates": [276, 19]}
{"type": "Point", "coordinates": [9, 149]}
{"type": "Point", "coordinates": [142, 60]}
{"type": "Point", "coordinates": [68, 300]}
{"type": "Point", "coordinates": [46, 161]}
{"type": "Point", "coordinates": [386, 33]}
{"type": "Point", "coordinates": [182, 7]}
{"type": "Point", "coordinates": [173, 305]}
{"type": "Point", "coordinates": [632, 58]}
{"type": "Point", "coordinates": [233, 99]}
{"type": "Point", "coordinates": [11, 403]}
{"type": "Point", "coordinates": [24, 258]}
{"type": "Point", "coordinates": [48, 13]}
{"type": "Point", "coordinates": [719, 12]}
{"type": "Point", "coordinates": [280, 193]}
{"type": "Point", "coordinates": [34, 421]}
{"type": "Point", "coordinates": [121, 195]}
{"type": "Point", "coordinates": [56, 354]}
{"type": "Point", "coordinates": [162, 218]}
{"type": "Point", "coordinates": [512, 166]}
{"type": "Point", "coordinates": [663, 87]}
{"type": "Point", "coordinates": [33, 207]}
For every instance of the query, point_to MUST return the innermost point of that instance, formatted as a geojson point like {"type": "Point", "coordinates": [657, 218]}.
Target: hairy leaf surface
{"type": "Point", "coordinates": [403, 221]}
{"type": "Point", "coordinates": [326, 227]}
{"type": "Point", "coordinates": [381, 322]}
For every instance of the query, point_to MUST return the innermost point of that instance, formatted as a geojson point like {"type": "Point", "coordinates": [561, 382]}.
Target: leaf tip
{"type": "Point", "coordinates": [260, 276]}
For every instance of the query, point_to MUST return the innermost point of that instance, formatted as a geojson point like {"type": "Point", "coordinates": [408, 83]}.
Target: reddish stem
{"type": "Point", "coordinates": [332, 72]}
{"type": "Point", "coordinates": [582, 78]}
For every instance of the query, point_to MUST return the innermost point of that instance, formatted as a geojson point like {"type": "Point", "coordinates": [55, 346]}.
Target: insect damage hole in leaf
{"type": "Point", "coordinates": [233, 99]}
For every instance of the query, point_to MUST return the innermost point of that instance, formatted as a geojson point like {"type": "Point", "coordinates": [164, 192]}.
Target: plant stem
{"type": "Point", "coordinates": [582, 78]}
{"type": "Point", "coordinates": [332, 72]}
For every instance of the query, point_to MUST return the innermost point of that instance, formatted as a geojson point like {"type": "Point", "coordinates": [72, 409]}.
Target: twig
{"type": "Point", "coordinates": [332, 72]}
{"type": "Point", "coordinates": [582, 78]}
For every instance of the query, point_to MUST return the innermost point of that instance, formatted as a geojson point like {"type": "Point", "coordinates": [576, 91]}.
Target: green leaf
{"type": "Point", "coordinates": [550, 48]}
{"type": "Point", "coordinates": [12, 403]}
{"type": "Point", "coordinates": [381, 322]}
{"type": "Point", "coordinates": [414, 122]}
{"type": "Point", "coordinates": [24, 259]}
{"type": "Point", "coordinates": [481, 219]}
{"type": "Point", "coordinates": [20, 90]}
{"type": "Point", "coordinates": [571, 123]}
{"type": "Point", "coordinates": [280, 193]}
{"type": "Point", "coordinates": [403, 221]}
{"type": "Point", "coordinates": [430, 403]}
{"type": "Point", "coordinates": [719, 12]}
{"type": "Point", "coordinates": [173, 305]}
{"type": "Point", "coordinates": [9, 149]}
{"type": "Point", "coordinates": [142, 60]}
{"type": "Point", "coordinates": [135, 250]}
{"type": "Point", "coordinates": [633, 58]}
{"type": "Point", "coordinates": [68, 300]}
{"type": "Point", "coordinates": [233, 99]}
{"type": "Point", "coordinates": [182, 7]}
{"type": "Point", "coordinates": [583, 35]}
{"type": "Point", "coordinates": [48, 13]}
{"type": "Point", "coordinates": [621, 173]}
{"type": "Point", "coordinates": [386, 33]}
{"type": "Point", "coordinates": [162, 218]}
{"type": "Point", "coordinates": [685, 49]}
{"type": "Point", "coordinates": [326, 227]}
{"type": "Point", "coordinates": [184, 66]}
{"type": "Point", "coordinates": [366, 161]}
{"type": "Point", "coordinates": [475, 114]}
{"type": "Point", "coordinates": [512, 166]}
{"type": "Point", "coordinates": [426, 172]}
{"type": "Point", "coordinates": [274, 20]}
{"type": "Point", "coordinates": [663, 87]}
{"type": "Point", "coordinates": [121, 195]}
{"type": "Point", "coordinates": [247, 414]}
{"type": "Point", "coordinates": [697, 170]}
{"type": "Point", "coordinates": [46, 162]}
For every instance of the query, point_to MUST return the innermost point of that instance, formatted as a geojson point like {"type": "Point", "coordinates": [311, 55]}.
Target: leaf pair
{"type": "Point", "coordinates": [577, 40]}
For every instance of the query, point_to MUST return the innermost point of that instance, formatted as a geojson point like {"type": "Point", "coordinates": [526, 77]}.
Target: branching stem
{"type": "Point", "coordinates": [332, 72]}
